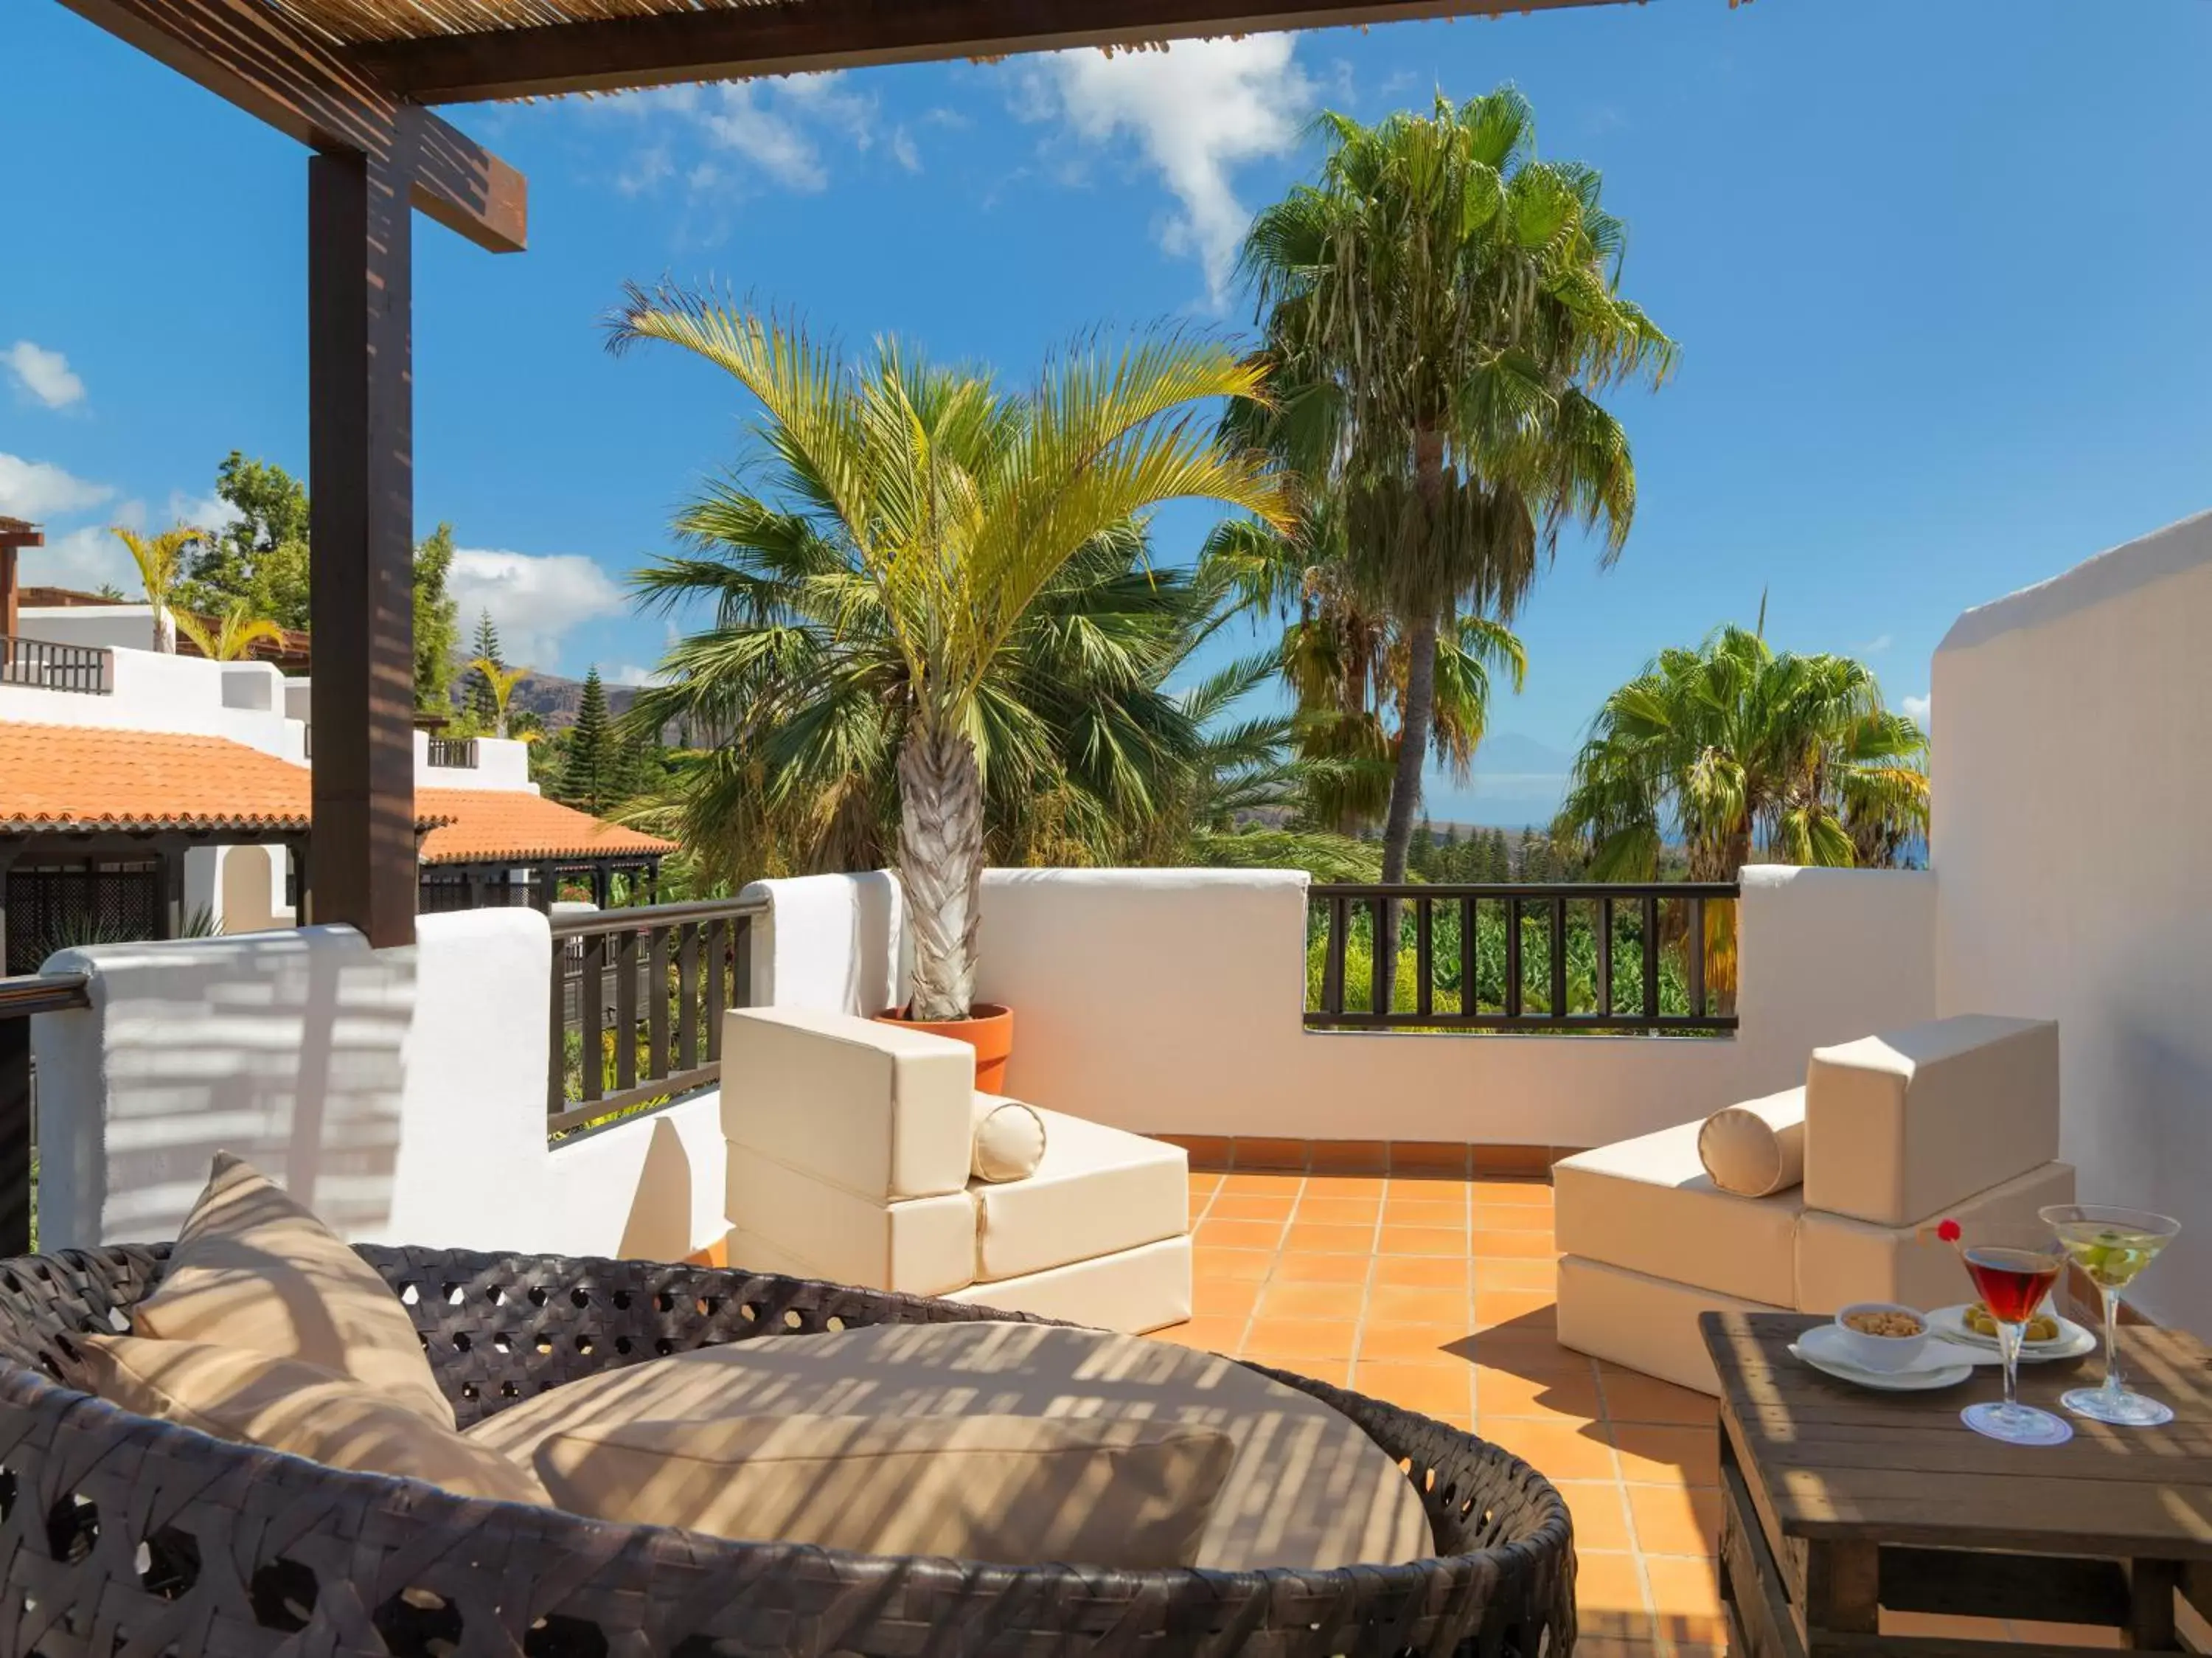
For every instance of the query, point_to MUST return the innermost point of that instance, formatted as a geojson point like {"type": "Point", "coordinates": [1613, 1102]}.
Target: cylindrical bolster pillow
{"type": "Point", "coordinates": [1758, 1148]}
{"type": "Point", "coordinates": [1009, 1142]}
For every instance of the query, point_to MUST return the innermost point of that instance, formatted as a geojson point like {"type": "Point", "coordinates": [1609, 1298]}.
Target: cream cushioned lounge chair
{"type": "Point", "coordinates": [850, 1146]}
{"type": "Point", "coordinates": [1956, 1118]}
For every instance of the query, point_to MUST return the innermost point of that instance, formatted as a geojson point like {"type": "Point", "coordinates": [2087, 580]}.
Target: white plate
{"type": "Point", "coordinates": [2070, 1343]}
{"type": "Point", "coordinates": [1812, 1351]}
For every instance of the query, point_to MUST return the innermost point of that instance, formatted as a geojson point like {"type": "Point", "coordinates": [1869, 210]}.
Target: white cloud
{"type": "Point", "coordinates": [1196, 109]}
{"type": "Point", "coordinates": [43, 374]}
{"type": "Point", "coordinates": [38, 489]}
{"type": "Point", "coordinates": [1917, 709]}
{"type": "Point", "coordinates": [202, 512]}
{"type": "Point", "coordinates": [781, 131]}
{"type": "Point", "coordinates": [1876, 645]}
{"type": "Point", "coordinates": [84, 559]}
{"type": "Point", "coordinates": [534, 600]}
{"type": "Point", "coordinates": [630, 674]}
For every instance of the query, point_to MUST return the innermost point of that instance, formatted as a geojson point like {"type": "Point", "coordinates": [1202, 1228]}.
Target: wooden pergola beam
{"type": "Point", "coordinates": [800, 35]}
{"type": "Point", "coordinates": [252, 56]}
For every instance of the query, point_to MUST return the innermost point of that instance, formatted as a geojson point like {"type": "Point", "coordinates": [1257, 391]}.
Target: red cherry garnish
{"type": "Point", "coordinates": [1949, 1232]}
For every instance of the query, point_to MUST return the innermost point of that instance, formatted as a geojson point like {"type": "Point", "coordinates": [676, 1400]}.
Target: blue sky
{"type": "Point", "coordinates": [1937, 274]}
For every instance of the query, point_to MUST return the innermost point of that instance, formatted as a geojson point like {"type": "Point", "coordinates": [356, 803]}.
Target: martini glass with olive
{"type": "Point", "coordinates": [2111, 1247]}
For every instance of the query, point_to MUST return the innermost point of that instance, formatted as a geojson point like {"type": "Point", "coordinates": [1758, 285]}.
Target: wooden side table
{"type": "Point", "coordinates": [1838, 1500]}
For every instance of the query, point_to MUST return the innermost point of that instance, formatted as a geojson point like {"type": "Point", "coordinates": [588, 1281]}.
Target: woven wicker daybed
{"type": "Point", "coordinates": [128, 1538]}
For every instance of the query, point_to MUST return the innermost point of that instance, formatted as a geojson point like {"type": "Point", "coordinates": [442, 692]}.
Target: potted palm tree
{"type": "Point", "coordinates": [945, 506]}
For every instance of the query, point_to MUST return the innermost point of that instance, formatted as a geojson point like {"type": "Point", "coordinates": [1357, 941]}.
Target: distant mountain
{"type": "Point", "coordinates": [555, 700]}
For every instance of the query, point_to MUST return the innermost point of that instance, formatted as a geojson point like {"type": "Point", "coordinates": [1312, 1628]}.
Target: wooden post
{"type": "Point", "coordinates": [360, 476]}
{"type": "Point", "coordinates": [15, 1131]}
{"type": "Point", "coordinates": [13, 533]}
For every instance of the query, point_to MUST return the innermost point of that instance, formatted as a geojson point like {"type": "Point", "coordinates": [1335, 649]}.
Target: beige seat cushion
{"type": "Point", "coordinates": [1010, 1138]}
{"type": "Point", "coordinates": [1308, 1488]}
{"type": "Point", "coordinates": [287, 1405]}
{"type": "Point", "coordinates": [1647, 1204]}
{"type": "Point", "coordinates": [884, 1111]}
{"type": "Point", "coordinates": [1014, 1490]}
{"type": "Point", "coordinates": [1098, 1190]}
{"type": "Point", "coordinates": [1645, 1323]}
{"type": "Point", "coordinates": [1133, 1290]}
{"type": "Point", "coordinates": [1756, 1149]}
{"type": "Point", "coordinates": [1897, 1126]}
{"type": "Point", "coordinates": [253, 1269]}
{"type": "Point", "coordinates": [785, 1221]}
{"type": "Point", "coordinates": [1841, 1260]}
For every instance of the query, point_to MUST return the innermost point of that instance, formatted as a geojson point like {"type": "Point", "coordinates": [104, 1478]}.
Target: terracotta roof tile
{"type": "Point", "coordinates": [87, 777]}
{"type": "Point", "coordinates": [501, 823]}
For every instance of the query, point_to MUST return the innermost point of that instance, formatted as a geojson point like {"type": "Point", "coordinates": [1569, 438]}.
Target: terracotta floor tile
{"type": "Point", "coordinates": [1411, 1304]}
{"type": "Point", "coordinates": [1600, 1514]}
{"type": "Point", "coordinates": [1555, 1448]}
{"type": "Point", "coordinates": [1214, 1335]}
{"type": "Point", "coordinates": [1536, 1193]}
{"type": "Point", "coordinates": [1339, 1211]}
{"type": "Point", "coordinates": [1686, 1594]}
{"type": "Point", "coordinates": [1423, 1240]}
{"type": "Point", "coordinates": [1503, 1392]}
{"type": "Point", "coordinates": [1224, 1298]}
{"type": "Point", "coordinates": [1239, 1234]}
{"type": "Point", "coordinates": [1334, 1371]}
{"type": "Point", "coordinates": [1292, 1267]}
{"type": "Point", "coordinates": [1516, 1273]}
{"type": "Point", "coordinates": [1198, 1209]}
{"type": "Point", "coordinates": [1609, 1602]}
{"type": "Point", "coordinates": [1431, 1389]}
{"type": "Point", "coordinates": [1529, 1309]}
{"type": "Point", "coordinates": [1208, 1262]}
{"type": "Point", "coordinates": [1345, 1186]}
{"type": "Point", "coordinates": [1676, 1519]}
{"type": "Point", "coordinates": [1423, 1271]}
{"type": "Point", "coordinates": [1525, 1353]}
{"type": "Point", "coordinates": [1633, 1398]}
{"type": "Point", "coordinates": [1328, 1339]}
{"type": "Point", "coordinates": [1666, 1456]}
{"type": "Point", "coordinates": [1204, 1183]}
{"type": "Point", "coordinates": [1311, 1301]}
{"type": "Point", "coordinates": [1263, 1186]}
{"type": "Point", "coordinates": [1236, 1206]}
{"type": "Point", "coordinates": [1421, 1344]}
{"type": "Point", "coordinates": [1522, 1245]}
{"type": "Point", "coordinates": [1422, 1211]}
{"type": "Point", "coordinates": [1512, 1217]}
{"type": "Point", "coordinates": [1331, 1240]}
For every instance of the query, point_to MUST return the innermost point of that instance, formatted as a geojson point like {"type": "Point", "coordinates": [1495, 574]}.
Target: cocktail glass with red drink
{"type": "Point", "coordinates": [2014, 1267]}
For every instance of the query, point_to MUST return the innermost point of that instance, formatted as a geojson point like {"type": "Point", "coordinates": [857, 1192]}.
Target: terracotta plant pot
{"type": "Point", "coordinates": [989, 1029]}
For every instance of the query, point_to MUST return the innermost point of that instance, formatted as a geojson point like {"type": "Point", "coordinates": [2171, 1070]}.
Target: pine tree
{"type": "Point", "coordinates": [1531, 860]}
{"type": "Point", "coordinates": [587, 779]}
{"type": "Point", "coordinates": [481, 702]}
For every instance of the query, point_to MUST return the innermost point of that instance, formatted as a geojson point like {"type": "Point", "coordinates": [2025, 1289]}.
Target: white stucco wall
{"type": "Point", "coordinates": [242, 701]}
{"type": "Point", "coordinates": [2072, 780]}
{"type": "Point", "coordinates": [501, 763]}
{"type": "Point", "coordinates": [1171, 1000]}
{"type": "Point", "coordinates": [401, 1094]}
{"type": "Point", "coordinates": [831, 942]}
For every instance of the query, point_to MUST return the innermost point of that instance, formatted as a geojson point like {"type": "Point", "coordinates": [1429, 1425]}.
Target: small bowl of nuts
{"type": "Point", "coordinates": [1882, 1335]}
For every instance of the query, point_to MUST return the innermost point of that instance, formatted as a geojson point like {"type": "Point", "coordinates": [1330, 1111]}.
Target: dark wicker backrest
{"type": "Point", "coordinates": [126, 1538]}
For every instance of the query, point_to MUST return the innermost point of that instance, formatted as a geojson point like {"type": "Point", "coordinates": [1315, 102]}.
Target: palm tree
{"type": "Point", "coordinates": [1347, 663]}
{"type": "Point", "coordinates": [1441, 310]}
{"type": "Point", "coordinates": [497, 683]}
{"type": "Point", "coordinates": [1741, 749]}
{"type": "Point", "coordinates": [937, 517]}
{"type": "Point", "coordinates": [160, 561]}
{"type": "Point", "coordinates": [233, 635]}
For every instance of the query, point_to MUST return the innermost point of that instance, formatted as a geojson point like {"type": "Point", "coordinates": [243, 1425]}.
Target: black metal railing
{"type": "Point", "coordinates": [1560, 958]}
{"type": "Point", "coordinates": [460, 753]}
{"type": "Point", "coordinates": [20, 998]}
{"type": "Point", "coordinates": [637, 1000]}
{"type": "Point", "coordinates": [86, 669]}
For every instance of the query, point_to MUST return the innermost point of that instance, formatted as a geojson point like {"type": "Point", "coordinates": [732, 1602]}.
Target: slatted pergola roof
{"type": "Point", "coordinates": [356, 82]}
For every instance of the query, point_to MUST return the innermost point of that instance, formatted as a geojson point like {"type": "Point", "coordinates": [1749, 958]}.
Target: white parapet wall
{"type": "Point", "coordinates": [1172, 1000]}
{"type": "Point", "coordinates": [401, 1094]}
{"type": "Point", "coordinates": [244, 702]}
{"type": "Point", "coordinates": [2073, 785]}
